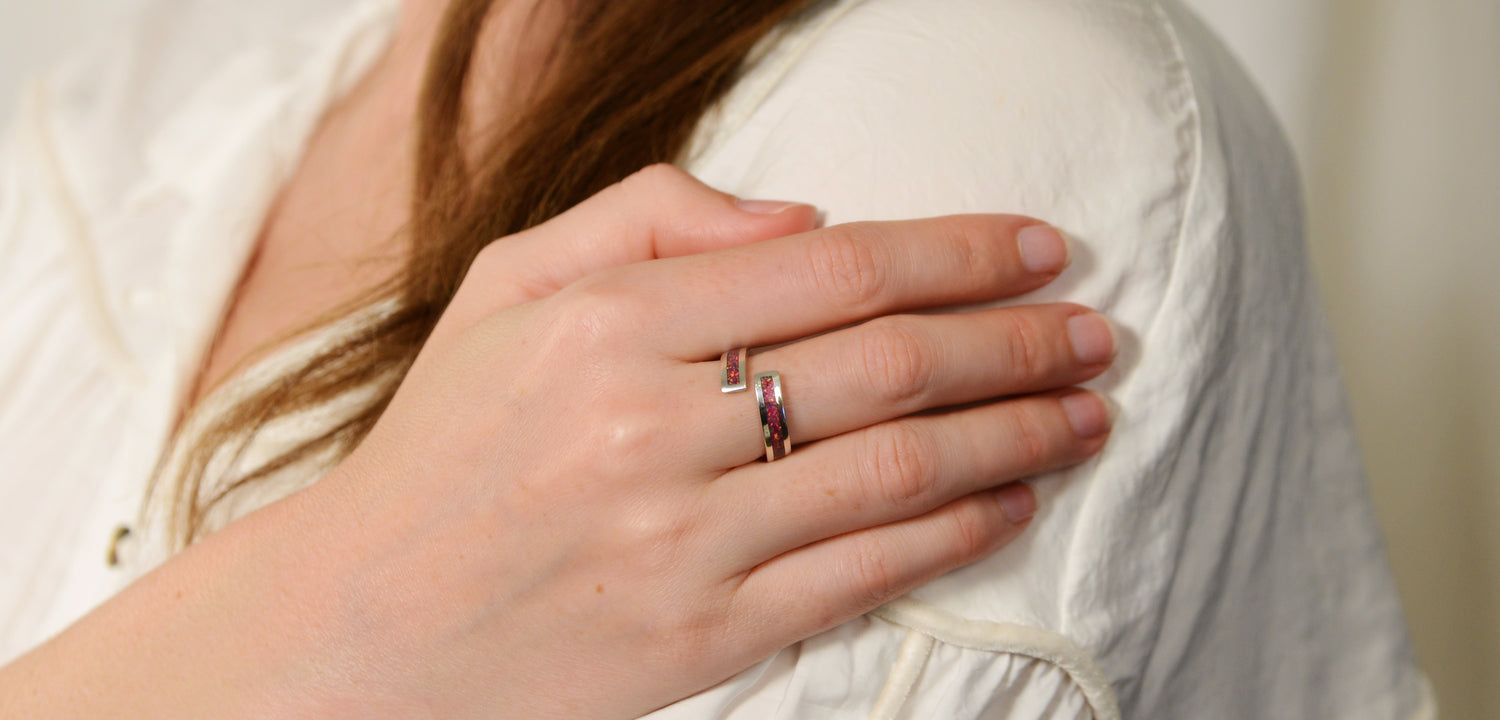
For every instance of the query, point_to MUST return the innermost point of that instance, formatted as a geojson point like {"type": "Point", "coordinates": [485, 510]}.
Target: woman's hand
{"type": "Point", "coordinates": [565, 517]}
{"type": "Point", "coordinates": [561, 515]}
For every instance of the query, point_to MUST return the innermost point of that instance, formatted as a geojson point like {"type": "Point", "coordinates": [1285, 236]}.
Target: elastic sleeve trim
{"type": "Point", "coordinates": [1010, 638]}
{"type": "Point", "coordinates": [915, 651]}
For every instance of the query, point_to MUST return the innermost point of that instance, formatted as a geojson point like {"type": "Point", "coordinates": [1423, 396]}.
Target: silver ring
{"type": "Point", "coordinates": [772, 415]}
{"type": "Point", "coordinates": [732, 371]}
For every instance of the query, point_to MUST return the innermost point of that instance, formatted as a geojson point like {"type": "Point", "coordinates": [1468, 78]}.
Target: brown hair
{"type": "Point", "coordinates": [627, 83]}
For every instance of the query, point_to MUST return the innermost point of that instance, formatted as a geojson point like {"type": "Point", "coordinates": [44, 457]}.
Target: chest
{"type": "Point", "coordinates": [331, 234]}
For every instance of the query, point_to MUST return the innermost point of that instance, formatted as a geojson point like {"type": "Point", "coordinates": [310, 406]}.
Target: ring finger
{"type": "Point", "coordinates": [899, 365]}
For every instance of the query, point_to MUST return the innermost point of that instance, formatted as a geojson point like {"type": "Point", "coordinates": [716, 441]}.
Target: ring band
{"type": "Point", "coordinates": [772, 415]}
{"type": "Point", "coordinates": [773, 427]}
{"type": "Point", "coordinates": [732, 372]}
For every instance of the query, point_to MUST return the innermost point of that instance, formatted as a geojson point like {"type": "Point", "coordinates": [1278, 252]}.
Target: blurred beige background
{"type": "Point", "coordinates": [1394, 109]}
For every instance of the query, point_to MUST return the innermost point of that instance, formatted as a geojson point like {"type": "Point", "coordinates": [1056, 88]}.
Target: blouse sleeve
{"type": "Point", "coordinates": [1219, 559]}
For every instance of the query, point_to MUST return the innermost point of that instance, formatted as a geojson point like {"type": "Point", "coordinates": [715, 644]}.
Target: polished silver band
{"type": "Point", "coordinates": [772, 415]}
{"type": "Point", "coordinates": [732, 371]}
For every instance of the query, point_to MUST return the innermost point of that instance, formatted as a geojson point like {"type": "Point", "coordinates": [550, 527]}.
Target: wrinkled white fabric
{"type": "Point", "coordinates": [1219, 559]}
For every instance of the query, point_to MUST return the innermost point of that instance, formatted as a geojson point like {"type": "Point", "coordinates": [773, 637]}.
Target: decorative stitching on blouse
{"type": "Point", "coordinates": [85, 266]}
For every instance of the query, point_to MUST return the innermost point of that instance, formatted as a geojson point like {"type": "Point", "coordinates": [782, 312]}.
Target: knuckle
{"type": "Point", "coordinates": [900, 467]}
{"type": "Point", "coordinates": [654, 179]}
{"type": "Point", "coordinates": [970, 240]}
{"type": "Point", "coordinates": [897, 361]}
{"type": "Point", "coordinates": [646, 188]}
{"type": "Point", "coordinates": [599, 306]}
{"type": "Point", "coordinates": [683, 634]}
{"type": "Point", "coordinates": [874, 574]}
{"type": "Point", "coordinates": [1026, 348]}
{"type": "Point", "coordinates": [972, 530]}
{"type": "Point", "coordinates": [493, 265]}
{"type": "Point", "coordinates": [846, 267]}
{"type": "Point", "coordinates": [484, 272]}
{"type": "Point", "coordinates": [487, 261]}
{"type": "Point", "coordinates": [1029, 441]}
{"type": "Point", "coordinates": [657, 538]}
{"type": "Point", "coordinates": [626, 434]}
{"type": "Point", "coordinates": [1069, 309]}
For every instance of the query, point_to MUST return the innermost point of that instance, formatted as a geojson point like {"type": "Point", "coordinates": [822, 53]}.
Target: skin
{"type": "Point", "coordinates": [598, 539]}
{"type": "Point", "coordinates": [334, 228]}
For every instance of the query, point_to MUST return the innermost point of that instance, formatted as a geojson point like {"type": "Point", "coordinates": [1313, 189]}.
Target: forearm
{"type": "Point", "coordinates": [212, 633]}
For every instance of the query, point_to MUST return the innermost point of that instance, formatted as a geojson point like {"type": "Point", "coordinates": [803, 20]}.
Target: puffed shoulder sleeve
{"type": "Point", "coordinates": [1220, 557]}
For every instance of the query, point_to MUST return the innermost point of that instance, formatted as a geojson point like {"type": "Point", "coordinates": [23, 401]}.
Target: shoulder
{"type": "Point", "coordinates": [1123, 122]}
{"type": "Point", "coordinates": [1126, 124]}
{"type": "Point", "coordinates": [169, 47]}
{"type": "Point", "coordinates": [1089, 114]}
{"type": "Point", "coordinates": [1045, 107]}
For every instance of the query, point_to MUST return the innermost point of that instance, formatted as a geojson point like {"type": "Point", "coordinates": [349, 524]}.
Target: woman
{"type": "Point", "coordinates": [541, 522]}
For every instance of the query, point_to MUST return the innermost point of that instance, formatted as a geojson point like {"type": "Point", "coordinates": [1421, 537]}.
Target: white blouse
{"type": "Point", "coordinates": [1220, 558]}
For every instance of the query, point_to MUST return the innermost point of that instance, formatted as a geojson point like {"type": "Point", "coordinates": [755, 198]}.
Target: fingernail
{"type": "Point", "coordinates": [1043, 249]}
{"type": "Point", "coordinates": [1017, 501]}
{"type": "Point", "coordinates": [1087, 413]}
{"type": "Point", "coordinates": [1093, 338]}
{"type": "Point", "coordinates": [768, 207]}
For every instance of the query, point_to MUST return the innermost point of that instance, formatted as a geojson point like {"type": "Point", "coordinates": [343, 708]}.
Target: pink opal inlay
{"type": "Point", "coordinates": [732, 369]}
{"type": "Point", "coordinates": [775, 416]}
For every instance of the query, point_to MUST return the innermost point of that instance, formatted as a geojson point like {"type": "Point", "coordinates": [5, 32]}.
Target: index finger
{"type": "Point", "coordinates": [791, 287]}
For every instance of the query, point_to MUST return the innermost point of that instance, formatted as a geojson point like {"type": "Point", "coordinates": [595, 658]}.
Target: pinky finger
{"type": "Point", "coordinates": [818, 586]}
